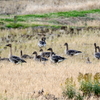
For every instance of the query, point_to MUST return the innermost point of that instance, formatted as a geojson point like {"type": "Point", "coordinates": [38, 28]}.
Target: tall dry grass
{"type": "Point", "coordinates": [44, 6]}
{"type": "Point", "coordinates": [17, 82]}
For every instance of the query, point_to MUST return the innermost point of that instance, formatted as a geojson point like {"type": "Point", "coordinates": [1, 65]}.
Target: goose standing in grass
{"type": "Point", "coordinates": [14, 59]}
{"type": "Point", "coordinates": [25, 56]}
{"type": "Point", "coordinates": [71, 52]}
{"type": "Point", "coordinates": [55, 58]}
{"type": "Point", "coordinates": [42, 42]}
{"type": "Point", "coordinates": [38, 57]}
{"type": "Point", "coordinates": [46, 54]}
{"type": "Point", "coordinates": [97, 54]}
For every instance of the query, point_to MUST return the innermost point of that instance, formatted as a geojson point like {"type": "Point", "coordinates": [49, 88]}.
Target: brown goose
{"type": "Point", "coordinates": [14, 59]}
{"type": "Point", "coordinates": [55, 58]}
{"type": "Point", "coordinates": [71, 52]}
{"type": "Point", "coordinates": [97, 54]}
{"type": "Point", "coordinates": [38, 57]}
{"type": "Point", "coordinates": [25, 56]}
{"type": "Point", "coordinates": [46, 54]}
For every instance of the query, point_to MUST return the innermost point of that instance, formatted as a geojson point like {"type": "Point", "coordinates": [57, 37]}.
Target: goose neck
{"type": "Point", "coordinates": [66, 47]}
{"type": "Point", "coordinates": [95, 49]}
{"type": "Point", "coordinates": [10, 51]}
{"type": "Point", "coordinates": [21, 53]}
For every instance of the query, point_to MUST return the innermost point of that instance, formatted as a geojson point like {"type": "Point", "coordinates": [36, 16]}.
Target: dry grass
{"type": "Point", "coordinates": [43, 6]}
{"type": "Point", "coordinates": [17, 82]}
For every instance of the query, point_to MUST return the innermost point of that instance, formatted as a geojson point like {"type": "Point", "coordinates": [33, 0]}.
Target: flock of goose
{"type": "Point", "coordinates": [45, 55]}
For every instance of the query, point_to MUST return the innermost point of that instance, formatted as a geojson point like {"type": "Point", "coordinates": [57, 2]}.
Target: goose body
{"type": "Point", "coordinates": [71, 52]}
{"type": "Point", "coordinates": [55, 58]}
{"type": "Point", "coordinates": [46, 54]}
{"type": "Point", "coordinates": [14, 59]}
{"type": "Point", "coordinates": [97, 54]}
{"type": "Point", "coordinates": [38, 57]}
{"type": "Point", "coordinates": [42, 42]}
{"type": "Point", "coordinates": [25, 56]}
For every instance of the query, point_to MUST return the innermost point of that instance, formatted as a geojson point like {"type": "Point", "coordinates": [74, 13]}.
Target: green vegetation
{"type": "Point", "coordinates": [70, 92]}
{"type": "Point", "coordinates": [17, 25]}
{"type": "Point", "coordinates": [62, 14]}
{"type": "Point", "coordinates": [89, 85]}
{"type": "Point", "coordinates": [29, 19]}
{"type": "Point", "coordinates": [24, 25]}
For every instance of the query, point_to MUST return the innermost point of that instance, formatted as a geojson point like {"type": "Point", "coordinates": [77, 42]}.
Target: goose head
{"type": "Point", "coordinates": [50, 49]}
{"type": "Point", "coordinates": [9, 45]}
{"type": "Point", "coordinates": [41, 50]}
{"type": "Point", "coordinates": [43, 39]}
{"type": "Point", "coordinates": [34, 52]}
{"type": "Point", "coordinates": [66, 44]}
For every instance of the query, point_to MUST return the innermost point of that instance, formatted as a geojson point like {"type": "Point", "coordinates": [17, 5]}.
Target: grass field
{"type": "Point", "coordinates": [19, 81]}
{"type": "Point", "coordinates": [82, 29]}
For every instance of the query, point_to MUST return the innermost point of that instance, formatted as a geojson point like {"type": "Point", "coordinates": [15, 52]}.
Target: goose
{"type": "Point", "coordinates": [42, 42]}
{"type": "Point", "coordinates": [97, 54]}
{"type": "Point", "coordinates": [38, 57]}
{"type": "Point", "coordinates": [4, 59]}
{"type": "Point", "coordinates": [46, 54]}
{"type": "Point", "coordinates": [55, 58]}
{"type": "Point", "coordinates": [71, 52]}
{"type": "Point", "coordinates": [25, 56]}
{"type": "Point", "coordinates": [12, 58]}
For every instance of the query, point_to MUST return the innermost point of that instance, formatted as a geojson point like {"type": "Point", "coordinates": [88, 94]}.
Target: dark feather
{"type": "Point", "coordinates": [73, 52]}
{"type": "Point", "coordinates": [16, 59]}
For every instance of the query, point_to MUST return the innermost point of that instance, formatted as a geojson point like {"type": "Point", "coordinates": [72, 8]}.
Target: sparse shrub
{"type": "Point", "coordinates": [86, 88]}
{"type": "Point", "coordinates": [69, 92]}
{"type": "Point", "coordinates": [96, 89]}
{"type": "Point", "coordinates": [87, 77]}
{"type": "Point", "coordinates": [97, 77]}
{"type": "Point", "coordinates": [89, 85]}
{"type": "Point", "coordinates": [79, 96]}
{"type": "Point", "coordinates": [80, 77]}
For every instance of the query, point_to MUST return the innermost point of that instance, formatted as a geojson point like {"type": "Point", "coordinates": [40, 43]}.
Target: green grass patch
{"type": "Point", "coordinates": [7, 19]}
{"type": "Point", "coordinates": [11, 19]}
{"type": "Point", "coordinates": [12, 23]}
{"type": "Point", "coordinates": [61, 14]}
{"type": "Point", "coordinates": [17, 25]}
{"type": "Point", "coordinates": [23, 25]}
